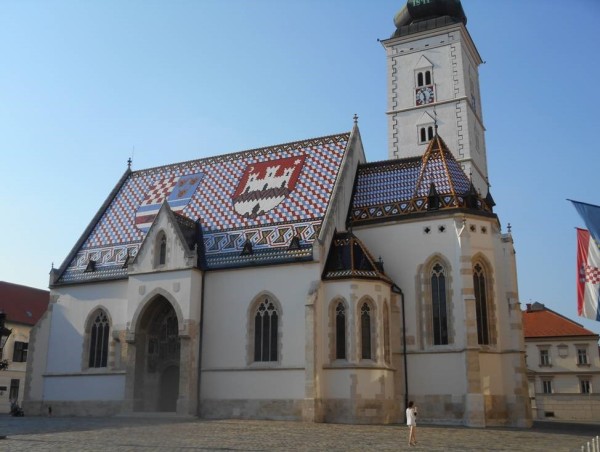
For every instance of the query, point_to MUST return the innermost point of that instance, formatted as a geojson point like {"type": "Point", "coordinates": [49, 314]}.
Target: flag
{"type": "Point", "coordinates": [591, 217]}
{"type": "Point", "coordinates": [588, 275]}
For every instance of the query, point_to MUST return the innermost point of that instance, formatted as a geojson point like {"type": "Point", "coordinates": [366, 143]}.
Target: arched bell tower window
{"type": "Point", "coordinates": [99, 335]}
{"type": "Point", "coordinates": [423, 78]}
{"type": "Point", "coordinates": [425, 134]}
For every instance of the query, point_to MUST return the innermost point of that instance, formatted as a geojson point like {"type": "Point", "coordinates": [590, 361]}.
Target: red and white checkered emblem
{"type": "Point", "coordinates": [591, 274]}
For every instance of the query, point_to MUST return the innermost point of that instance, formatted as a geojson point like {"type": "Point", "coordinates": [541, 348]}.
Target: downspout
{"type": "Point", "coordinates": [404, 353]}
{"type": "Point", "coordinates": [398, 291]}
{"type": "Point", "coordinates": [200, 336]}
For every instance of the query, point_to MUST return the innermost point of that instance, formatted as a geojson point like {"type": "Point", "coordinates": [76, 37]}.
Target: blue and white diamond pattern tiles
{"type": "Point", "coordinates": [288, 187]}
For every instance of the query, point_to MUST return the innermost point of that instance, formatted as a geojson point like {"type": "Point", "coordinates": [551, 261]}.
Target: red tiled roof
{"type": "Point", "coordinates": [547, 323]}
{"type": "Point", "coordinates": [23, 304]}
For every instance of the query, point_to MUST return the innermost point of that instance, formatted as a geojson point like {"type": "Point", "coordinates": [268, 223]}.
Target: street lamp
{"type": "Point", "coordinates": [4, 334]}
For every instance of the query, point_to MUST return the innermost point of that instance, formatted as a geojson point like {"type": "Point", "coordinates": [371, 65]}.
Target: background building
{"type": "Point", "coordinates": [563, 366]}
{"type": "Point", "coordinates": [23, 307]}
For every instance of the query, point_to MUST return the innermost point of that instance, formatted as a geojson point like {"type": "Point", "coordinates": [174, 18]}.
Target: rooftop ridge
{"type": "Point", "coordinates": [237, 154]}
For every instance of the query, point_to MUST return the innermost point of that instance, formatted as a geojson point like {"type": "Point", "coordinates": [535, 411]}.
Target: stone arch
{"type": "Point", "coordinates": [251, 329]}
{"type": "Point", "coordinates": [156, 363]}
{"type": "Point", "coordinates": [147, 300]}
{"type": "Point", "coordinates": [426, 315]}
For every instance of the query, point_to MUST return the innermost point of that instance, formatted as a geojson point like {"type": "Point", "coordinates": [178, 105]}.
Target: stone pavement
{"type": "Point", "coordinates": [168, 433]}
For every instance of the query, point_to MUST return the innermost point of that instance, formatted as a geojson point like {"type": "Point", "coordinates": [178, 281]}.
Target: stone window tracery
{"type": "Point", "coordinates": [99, 335]}
{"type": "Point", "coordinates": [365, 330]}
{"type": "Point", "coordinates": [266, 331]}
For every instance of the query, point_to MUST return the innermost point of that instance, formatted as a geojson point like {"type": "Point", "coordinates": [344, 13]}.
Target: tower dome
{"type": "Point", "coordinates": [418, 15]}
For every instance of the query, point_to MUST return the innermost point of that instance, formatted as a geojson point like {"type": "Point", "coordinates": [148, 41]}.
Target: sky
{"type": "Point", "coordinates": [86, 85]}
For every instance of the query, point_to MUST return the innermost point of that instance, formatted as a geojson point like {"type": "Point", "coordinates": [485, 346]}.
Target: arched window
{"type": "Point", "coordinates": [265, 331]}
{"type": "Point", "coordinates": [162, 255]}
{"type": "Point", "coordinates": [481, 304]}
{"type": "Point", "coordinates": [365, 331]}
{"type": "Point", "coordinates": [438, 302]}
{"type": "Point", "coordinates": [420, 79]}
{"type": "Point", "coordinates": [340, 331]}
{"type": "Point", "coordinates": [99, 333]}
{"type": "Point", "coordinates": [423, 135]}
{"type": "Point", "coordinates": [428, 77]}
{"type": "Point", "coordinates": [429, 132]}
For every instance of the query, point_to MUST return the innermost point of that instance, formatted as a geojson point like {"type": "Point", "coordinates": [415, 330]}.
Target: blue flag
{"type": "Point", "coordinates": [591, 217]}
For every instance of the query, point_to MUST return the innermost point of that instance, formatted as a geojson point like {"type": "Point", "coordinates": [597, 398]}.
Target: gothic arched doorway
{"type": "Point", "coordinates": [157, 358]}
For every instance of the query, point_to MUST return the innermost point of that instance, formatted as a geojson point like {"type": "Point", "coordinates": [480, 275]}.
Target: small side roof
{"type": "Point", "coordinates": [391, 189]}
{"type": "Point", "coordinates": [540, 322]}
{"type": "Point", "coordinates": [23, 304]}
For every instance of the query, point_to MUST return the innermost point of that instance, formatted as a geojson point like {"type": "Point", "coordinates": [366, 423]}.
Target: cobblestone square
{"type": "Point", "coordinates": [192, 434]}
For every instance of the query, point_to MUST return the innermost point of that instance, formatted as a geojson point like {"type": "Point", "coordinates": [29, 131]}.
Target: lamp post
{"type": "Point", "coordinates": [4, 334]}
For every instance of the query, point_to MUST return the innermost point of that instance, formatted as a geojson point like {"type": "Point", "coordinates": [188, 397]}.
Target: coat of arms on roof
{"type": "Point", "coordinates": [177, 190]}
{"type": "Point", "coordinates": [265, 185]}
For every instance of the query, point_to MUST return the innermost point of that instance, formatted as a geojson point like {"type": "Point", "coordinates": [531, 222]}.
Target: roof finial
{"type": "Point", "coordinates": [129, 163]}
{"type": "Point", "coordinates": [509, 227]}
{"type": "Point", "coordinates": [435, 124]}
{"type": "Point", "coordinates": [355, 118]}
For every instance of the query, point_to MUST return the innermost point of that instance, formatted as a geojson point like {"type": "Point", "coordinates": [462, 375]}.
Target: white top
{"type": "Point", "coordinates": [411, 416]}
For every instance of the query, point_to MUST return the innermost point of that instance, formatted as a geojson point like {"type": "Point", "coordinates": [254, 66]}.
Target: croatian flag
{"type": "Point", "coordinates": [588, 275]}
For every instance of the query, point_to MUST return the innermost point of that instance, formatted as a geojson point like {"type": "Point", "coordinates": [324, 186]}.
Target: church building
{"type": "Point", "coordinates": [300, 281]}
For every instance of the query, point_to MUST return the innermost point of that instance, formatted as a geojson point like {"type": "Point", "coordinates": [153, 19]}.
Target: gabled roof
{"type": "Point", "coordinates": [267, 196]}
{"type": "Point", "coordinates": [386, 190]}
{"type": "Point", "coordinates": [541, 322]}
{"type": "Point", "coordinates": [23, 304]}
{"type": "Point", "coordinates": [349, 259]}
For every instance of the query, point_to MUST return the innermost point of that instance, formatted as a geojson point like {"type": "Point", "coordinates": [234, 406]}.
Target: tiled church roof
{"type": "Point", "coordinates": [385, 190]}
{"type": "Point", "coordinates": [266, 196]}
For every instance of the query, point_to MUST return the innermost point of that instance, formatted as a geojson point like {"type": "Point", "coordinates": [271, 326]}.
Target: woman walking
{"type": "Point", "coordinates": [411, 421]}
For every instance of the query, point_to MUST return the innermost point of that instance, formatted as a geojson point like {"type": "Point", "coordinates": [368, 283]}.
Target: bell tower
{"type": "Point", "coordinates": [433, 85]}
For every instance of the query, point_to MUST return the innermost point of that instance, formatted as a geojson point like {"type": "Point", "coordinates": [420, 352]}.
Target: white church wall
{"type": "Point", "coordinates": [403, 253]}
{"type": "Point", "coordinates": [74, 305]}
{"type": "Point", "coordinates": [84, 387]}
{"type": "Point", "coordinates": [37, 360]}
{"type": "Point", "coordinates": [340, 383]}
{"type": "Point", "coordinates": [228, 299]}
{"type": "Point", "coordinates": [436, 374]}
{"type": "Point", "coordinates": [285, 383]}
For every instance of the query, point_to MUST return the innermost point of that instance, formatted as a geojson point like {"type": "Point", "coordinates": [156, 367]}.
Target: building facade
{"type": "Point", "coordinates": [23, 307]}
{"type": "Point", "coordinates": [563, 366]}
{"type": "Point", "coordinates": [299, 281]}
